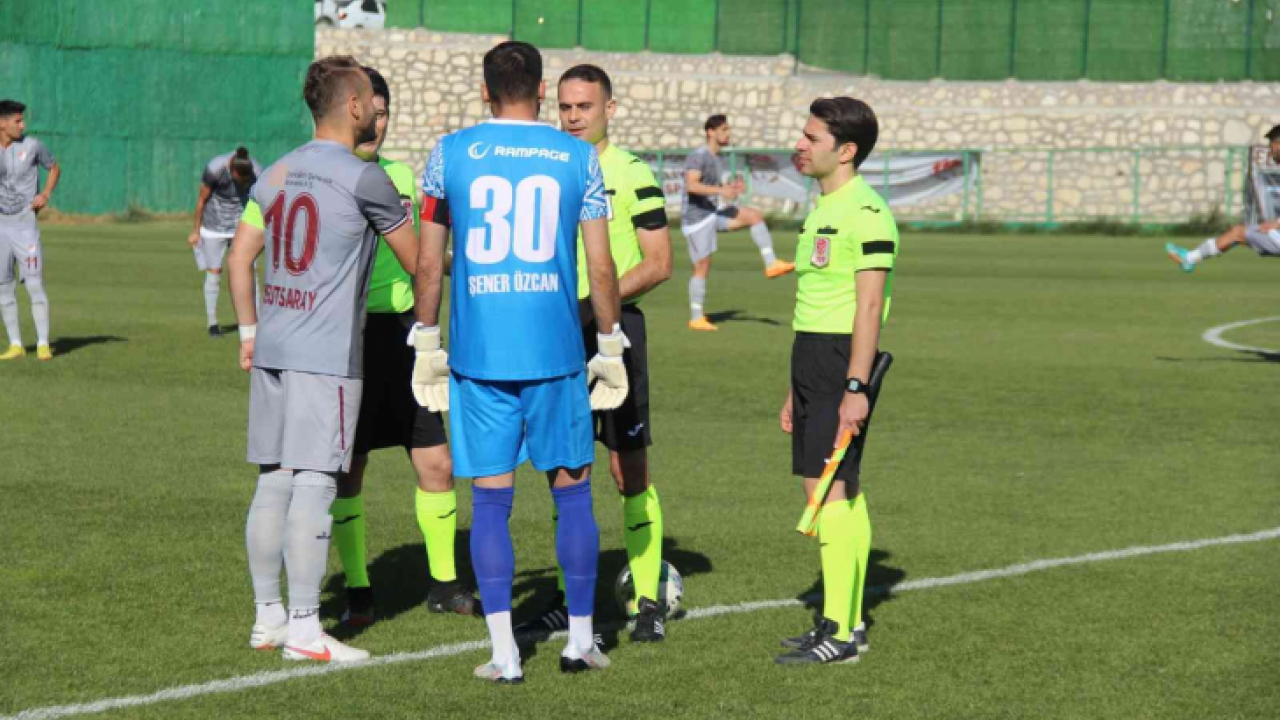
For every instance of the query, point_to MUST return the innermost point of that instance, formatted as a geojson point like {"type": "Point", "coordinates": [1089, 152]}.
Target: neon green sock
{"type": "Point", "coordinates": [438, 521]}
{"type": "Point", "coordinates": [836, 535]}
{"type": "Point", "coordinates": [862, 551]}
{"type": "Point", "coordinates": [348, 537]}
{"type": "Point", "coordinates": [642, 528]}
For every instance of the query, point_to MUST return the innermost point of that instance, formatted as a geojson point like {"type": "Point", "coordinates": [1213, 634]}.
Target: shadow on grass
{"type": "Point", "coordinates": [66, 345]}
{"type": "Point", "coordinates": [1249, 356]}
{"type": "Point", "coordinates": [881, 578]}
{"type": "Point", "coordinates": [727, 316]}
{"type": "Point", "coordinates": [400, 578]}
{"type": "Point", "coordinates": [541, 588]}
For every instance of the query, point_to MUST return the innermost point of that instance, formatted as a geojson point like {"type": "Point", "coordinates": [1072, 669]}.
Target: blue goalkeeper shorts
{"type": "Point", "coordinates": [495, 424]}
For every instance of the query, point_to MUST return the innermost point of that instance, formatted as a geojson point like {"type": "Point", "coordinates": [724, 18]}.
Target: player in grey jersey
{"type": "Point", "coordinates": [322, 209]}
{"type": "Point", "coordinates": [701, 217]}
{"type": "Point", "coordinates": [21, 158]}
{"type": "Point", "coordinates": [224, 190]}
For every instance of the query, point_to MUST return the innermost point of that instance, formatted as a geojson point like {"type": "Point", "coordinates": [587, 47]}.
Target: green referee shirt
{"type": "Point", "coordinates": [391, 288]}
{"type": "Point", "coordinates": [633, 197]}
{"type": "Point", "coordinates": [850, 230]}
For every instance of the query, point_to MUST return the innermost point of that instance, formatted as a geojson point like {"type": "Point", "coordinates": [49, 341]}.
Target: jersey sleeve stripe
{"type": "Point", "coordinates": [654, 219]}
{"type": "Point", "coordinates": [878, 247]}
{"type": "Point", "coordinates": [646, 193]}
{"type": "Point", "coordinates": [387, 231]}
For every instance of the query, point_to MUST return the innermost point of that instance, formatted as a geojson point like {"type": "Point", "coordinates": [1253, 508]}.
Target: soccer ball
{"type": "Point", "coordinates": [670, 590]}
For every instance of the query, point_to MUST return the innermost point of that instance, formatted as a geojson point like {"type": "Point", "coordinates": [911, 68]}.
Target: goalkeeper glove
{"type": "Point", "coordinates": [430, 369]}
{"type": "Point", "coordinates": [606, 375]}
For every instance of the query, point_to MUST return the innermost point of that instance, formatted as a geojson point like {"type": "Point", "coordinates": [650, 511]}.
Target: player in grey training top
{"type": "Point", "coordinates": [701, 217]}
{"type": "Point", "coordinates": [224, 190]}
{"type": "Point", "coordinates": [21, 158]}
{"type": "Point", "coordinates": [322, 209]}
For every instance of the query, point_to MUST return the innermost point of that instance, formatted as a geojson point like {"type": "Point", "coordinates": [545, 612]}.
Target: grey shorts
{"type": "Point", "coordinates": [701, 235]}
{"type": "Point", "coordinates": [20, 245]}
{"type": "Point", "coordinates": [303, 421]}
{"type": "Point", "coordinates": [212, 247]}
{"type": "Point", "coordinates": [1263, 243]}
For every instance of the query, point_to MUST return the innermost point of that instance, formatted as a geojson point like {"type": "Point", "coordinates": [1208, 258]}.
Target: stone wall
{"type": "Point", "coordinates": [663, 100]}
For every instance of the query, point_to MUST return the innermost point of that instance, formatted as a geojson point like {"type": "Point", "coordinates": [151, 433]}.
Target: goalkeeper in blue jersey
{"type": "Point", "coordinates": [515, 192]}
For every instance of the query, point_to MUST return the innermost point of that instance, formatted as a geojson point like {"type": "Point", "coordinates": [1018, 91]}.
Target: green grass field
{"type": "Point", "coordinates": [1051, 398]}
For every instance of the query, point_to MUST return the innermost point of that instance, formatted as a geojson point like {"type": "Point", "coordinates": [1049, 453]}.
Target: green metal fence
{"type": "Point", "coordinates": [135, 96]}
{"type": "Point", "coordinates": [1111, 40]}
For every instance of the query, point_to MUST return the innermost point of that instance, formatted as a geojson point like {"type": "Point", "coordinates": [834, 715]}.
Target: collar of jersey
{"type": "Point", "coordinates": [855, 184]}
{"type": "Point", "coordinates": [504, 121]}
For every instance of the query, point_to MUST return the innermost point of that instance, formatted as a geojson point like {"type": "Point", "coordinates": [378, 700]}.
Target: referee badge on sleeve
{"type": "Point", "coordinates": [821, 256]}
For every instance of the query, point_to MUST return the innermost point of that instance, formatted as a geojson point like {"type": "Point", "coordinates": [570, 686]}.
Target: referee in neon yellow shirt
{"type": "Point", "coordinates": [844, 279]}
{"type": "Point", "coordinates": [641, 249]}
{"type": "Point", "coordinates": [390, 417]}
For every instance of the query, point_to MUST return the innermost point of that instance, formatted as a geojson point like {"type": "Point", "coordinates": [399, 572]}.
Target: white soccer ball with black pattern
{"type": "Point", "coordinates": [670, 590]}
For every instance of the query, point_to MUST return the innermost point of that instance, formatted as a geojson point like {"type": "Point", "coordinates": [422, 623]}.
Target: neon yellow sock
{"type": "Point", "coordinates": [348, 537]}
{"type": "Point", "coordinates": [862, 551]}
{"type": "Point", "coordinates": [438, 521]}
{"type": "Point", "coordinates": [642, 528]}
{"type": "Point", "coordinates": [836, 535]}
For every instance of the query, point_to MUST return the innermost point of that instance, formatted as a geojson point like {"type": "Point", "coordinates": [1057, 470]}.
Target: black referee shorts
{"type": "Point", "coordinates": [819, 377]}
{"type": "Point", "coordinates": [627, 427]}
{"type": "Point", "coordinates": [389, 414]}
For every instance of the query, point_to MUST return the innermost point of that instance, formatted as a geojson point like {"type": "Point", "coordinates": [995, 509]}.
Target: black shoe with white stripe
{"type": "Point", "coordinates": [823, 648]}
{"type": "Point", "coordinates": [799, 641]}
{"type": "Point", "coordinates": [650, 625]}
{"type": "Point", "coordinates": [553, 619]}
{"type": "Point", "coordinates": [860, 637]}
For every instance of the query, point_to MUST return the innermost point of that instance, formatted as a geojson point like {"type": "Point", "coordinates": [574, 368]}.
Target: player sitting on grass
{"type": "Point", "coordinates": [318, 212]}
{"type": "Point", "coordinates": [515, 192]}
{"type": "Point", "coordinates": [702, 218]}
{"type": "Point", "coordinates": [389, 417]}
{"type": "Point", "coordinates": [641, 248]}
{"type": "Point", "coordinates": [224, 192]}
{"type": "Point", "coordinates": [1264, 238]}
{"type": "Point", "coordinates": [845, 258]}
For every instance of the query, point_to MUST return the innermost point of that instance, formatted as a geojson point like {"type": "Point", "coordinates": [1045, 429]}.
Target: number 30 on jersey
{"type": "Point", "coordinates": [530, 231]}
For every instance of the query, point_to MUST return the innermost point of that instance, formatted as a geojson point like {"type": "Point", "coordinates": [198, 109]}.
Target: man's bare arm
{"type": "Point", "coordinates": [201, 199]}
{"type": "Point", "coordinates": [39, 201]}
{"type": "Point", "coordinates": [693, 183]}
{"type": "Point", "coordinates": [403, 242]}
{"type": "Point", "coordinates": [428, 283]}
{"type": "Point", "coordinates": [654, 270]}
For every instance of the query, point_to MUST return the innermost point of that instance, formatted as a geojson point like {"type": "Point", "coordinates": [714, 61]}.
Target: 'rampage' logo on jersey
{"type": "Point", "coordinates": [321, 209]}
{"type": "Point", "coordinates": [516, 193]}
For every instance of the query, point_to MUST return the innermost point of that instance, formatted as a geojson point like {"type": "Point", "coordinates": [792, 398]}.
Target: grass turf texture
{"type": "Point", "coordinates": [1051, 397]}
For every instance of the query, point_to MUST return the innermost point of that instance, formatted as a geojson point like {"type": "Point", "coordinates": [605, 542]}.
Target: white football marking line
{"type": "Point", "coordinates": [244, 682]}
{"type": "Point", "coordinates": [1213, 335]}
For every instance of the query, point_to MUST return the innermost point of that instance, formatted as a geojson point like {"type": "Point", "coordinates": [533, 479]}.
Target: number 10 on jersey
{"type": "Point", "coordinates": [530, 231]}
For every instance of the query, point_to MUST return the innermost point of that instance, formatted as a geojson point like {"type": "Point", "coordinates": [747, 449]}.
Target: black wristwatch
{"type": "Point", "coordinates": [856, 387]}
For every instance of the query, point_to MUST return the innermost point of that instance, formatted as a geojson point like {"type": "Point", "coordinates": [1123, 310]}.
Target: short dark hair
{"type": "Point", "coordinates": [241, 164]}
{"type": "Point", "coordinates": [512, 72]}
{"type": "Point", "coordinates": [849, 121]}
{"type": "Point", "coordinates": [592, 74]}
{"type": "Point", "coordinates": [328, 81]}
{"type": "Point", "coordinates": [380, 88]}
{"type": "Point", "coordinates": [713, 122]}
{"type": "Point", "coordinates": [11, 107]}
{"type": "Point", "coordinates": [1272, 134]}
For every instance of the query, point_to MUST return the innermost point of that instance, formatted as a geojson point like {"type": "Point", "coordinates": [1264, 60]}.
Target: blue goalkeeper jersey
{"type": "Point", "coordinates": [514, 194]}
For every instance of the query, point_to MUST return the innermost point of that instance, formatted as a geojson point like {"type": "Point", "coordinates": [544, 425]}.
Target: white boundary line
{"type": "Point", "coordinates": [245, 682]}
{"type": "Point", "coordinates": [1213, 335]}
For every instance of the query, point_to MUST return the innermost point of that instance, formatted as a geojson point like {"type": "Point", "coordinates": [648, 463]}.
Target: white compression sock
{"type": "Point", "coordinates": [1206, 249]}
{"type": "Point", "coordinates": [212, 284]}
{"type": "Point", "coordinates": [506, 655]}
{"type": "Point", "coordinates": [39, 308]}
{"type": "Point", "coordinates": [264, 539]}
{"type": "Point", "coordinates": [581, 635]}
{"type": "Point", "coordinates": [760, 236]}
{"type": "Point", "coordinates": [306, 551]}
{"type": "Point", "coordinates": [697, 295]}
{"type": "Point", "coordinates": [9, 311]}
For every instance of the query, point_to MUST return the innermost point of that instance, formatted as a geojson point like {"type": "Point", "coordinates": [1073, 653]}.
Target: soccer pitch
{"type": "Point", "coordinates": [1052, 397]}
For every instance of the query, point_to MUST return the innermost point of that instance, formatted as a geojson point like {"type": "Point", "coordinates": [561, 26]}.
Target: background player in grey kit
{"type": "Point", "coordinates": [21, 158]}
{"type": "Point", "coordinates": [323, 208]}
{"type": "Point", "coordinates": [702, 216]}
{"type": "Point", "coordinates": [224, 191]}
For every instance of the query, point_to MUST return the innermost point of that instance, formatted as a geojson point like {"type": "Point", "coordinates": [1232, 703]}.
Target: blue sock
{"type": "Point", "coordinates": [492, 556]}
{"type": "Point", "coordinates": [577, 546]}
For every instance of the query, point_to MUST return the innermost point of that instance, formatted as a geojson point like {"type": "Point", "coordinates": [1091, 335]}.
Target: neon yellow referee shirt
{"type": "Point", "coordinates": [851, 229]}
{"type": "Point", "coordinates": [634, 197]}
